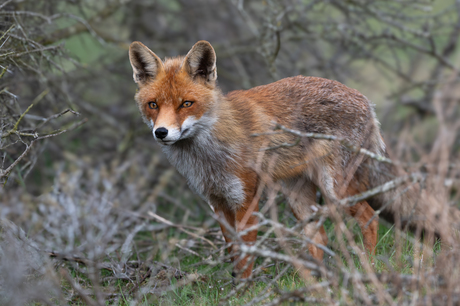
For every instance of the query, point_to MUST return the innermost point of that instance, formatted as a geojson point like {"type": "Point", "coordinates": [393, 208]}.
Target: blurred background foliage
{"type": "Point", "coordinates": [71, 134]}
{"type": "Point", "coordinates": [73, 55]}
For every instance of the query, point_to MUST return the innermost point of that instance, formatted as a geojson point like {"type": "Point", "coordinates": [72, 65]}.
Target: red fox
{"type": "Point", "coordinates": [209, 138]}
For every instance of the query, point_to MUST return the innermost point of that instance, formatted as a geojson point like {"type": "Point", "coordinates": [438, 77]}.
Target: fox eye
{"type": "Point", "coordinates": [152, 105]}
{"type": "Point", "coordinates": [186, 104]}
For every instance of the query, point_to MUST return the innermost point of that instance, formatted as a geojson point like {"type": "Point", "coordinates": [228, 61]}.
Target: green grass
{"type": "Point", "coordinates": [215, 283]}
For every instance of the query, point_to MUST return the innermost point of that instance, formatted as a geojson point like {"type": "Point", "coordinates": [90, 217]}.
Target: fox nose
{"type": "Point", "coordinates": [161, 132]}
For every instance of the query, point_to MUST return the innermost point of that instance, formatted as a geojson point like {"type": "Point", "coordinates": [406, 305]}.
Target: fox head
{"type": "Point", "coordinates": [175, 97]}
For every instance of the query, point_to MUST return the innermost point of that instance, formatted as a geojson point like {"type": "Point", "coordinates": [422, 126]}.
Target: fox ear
{"type": "Point", "coordinates": [146, 65]}
{"type": "Point", "coordinates": [200, 62]}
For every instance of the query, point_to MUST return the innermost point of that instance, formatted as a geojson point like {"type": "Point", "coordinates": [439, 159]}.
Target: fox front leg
{"type": "Point", "coordinates": [239, 219]}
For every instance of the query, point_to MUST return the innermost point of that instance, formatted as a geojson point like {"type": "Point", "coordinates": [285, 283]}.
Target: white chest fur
{"type": "Point", "coordinates": [204, 162]}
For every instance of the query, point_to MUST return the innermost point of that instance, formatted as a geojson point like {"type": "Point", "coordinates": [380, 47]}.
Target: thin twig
{"type": "Point", "coordinates": [342, 140]}
{"type": "Point", "coordinates": [6, 172]}
{"type": "Point", "coordinates": [350, 201]}
{"type": "Point", "coordinates": [78, 288]}
{"type": "Point", "coordinates": [180, 227]}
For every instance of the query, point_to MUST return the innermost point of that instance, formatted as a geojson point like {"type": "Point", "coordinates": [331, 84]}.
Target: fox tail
{"type": "Point", "coordinates": [409, 206]}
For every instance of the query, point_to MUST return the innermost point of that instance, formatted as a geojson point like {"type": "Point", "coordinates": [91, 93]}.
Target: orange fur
{"type": "Point", "coordinates": [211, 140]}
